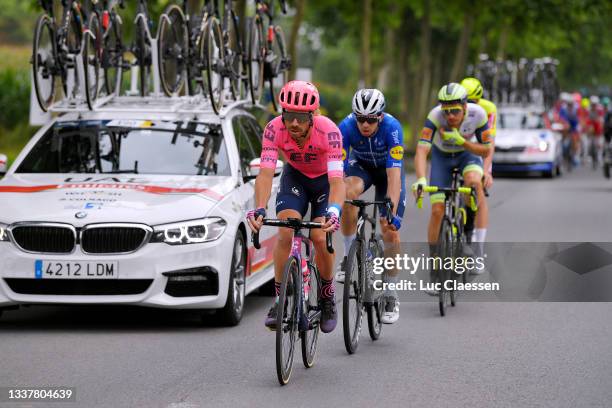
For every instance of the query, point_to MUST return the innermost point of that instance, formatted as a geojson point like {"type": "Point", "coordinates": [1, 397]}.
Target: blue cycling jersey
{"type": "Point", "coordinates": [383, 149]}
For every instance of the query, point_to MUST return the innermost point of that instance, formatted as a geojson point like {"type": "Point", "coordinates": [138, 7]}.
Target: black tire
{"type": "Point", "coordinates": [232, 312]}
{"type": "Point", "coordinates": [606, 170]}
{"type": "Point", "coordinates": [91, 61]}
{"type": "Point", "coordinates": [287, 320]}
{"type": "Point", "coordinates": [215, 56]}
{"type": "Point", "coordinates": [234, 58]}
{"type": "Point", "coordinates": [173, 50]}
{"type": "Point", "coordinates": [44, 60]}
{"type": "Point", "coordinates": [255, 59]}
{"type": "Point", "coordinates": [112, 57]}
{"type": "Point", "coordinates": [279, 66]}
{"type": "Point", "coordinates": [310, 338]}
{"type": "Point", "coordinates": [375, 324]}
{"type": "Point", "coordinates": [143, 57]}
{"type": "Point", "coordinates": [445, 240]}
{"type": "Point", "coordinates": [354, 291]}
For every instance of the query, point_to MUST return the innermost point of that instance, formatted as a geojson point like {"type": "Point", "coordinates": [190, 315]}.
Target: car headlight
{"type": "Point", "coordinates": [189, 232]}
{"type": "Point", "coordinates": [4, 233]}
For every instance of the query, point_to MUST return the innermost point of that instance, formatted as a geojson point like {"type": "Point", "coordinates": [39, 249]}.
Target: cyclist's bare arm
{"type": "Point", "coordinates": [337, 191]}
{"type": "Point", "coordinates": [394, 186]}
{"type": "Point", "coordinates": [420, 160]}
{"type": "Point", "coordinates": [479, 149]}
{"type": "Point", "coordinates": [263, 187]}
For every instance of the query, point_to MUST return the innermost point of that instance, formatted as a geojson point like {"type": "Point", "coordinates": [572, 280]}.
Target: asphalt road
{"type": "Point", "coordinates": [482, 354]}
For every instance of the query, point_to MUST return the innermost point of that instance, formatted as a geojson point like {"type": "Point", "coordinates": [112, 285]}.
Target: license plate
{"type": "Point", "coordinates": [75, 270]}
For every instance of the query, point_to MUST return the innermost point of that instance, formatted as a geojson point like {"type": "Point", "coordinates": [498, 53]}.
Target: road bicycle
{"type": "Point", "coordinates": [142, 46]}
{"type": "Point", "coordinates": [112, 61]}
{"type": "Point", "coordinates": [299, 311]}
{"type": "Point", "coordinates": [452, 239]}
{"type": "Point", "coordinates": [56, 48]}
{"type": "Point", "coordinates": [359, 293]}
{"type": "Point", "coordinates": [267, 56]}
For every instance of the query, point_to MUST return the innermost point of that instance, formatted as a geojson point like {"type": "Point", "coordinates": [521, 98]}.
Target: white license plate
{"type": "Point", "coordinates": [75, 270]}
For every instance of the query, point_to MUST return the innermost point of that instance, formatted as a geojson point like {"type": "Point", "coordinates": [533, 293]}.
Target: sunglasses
{"type": "Point", "coordinates": [453, 112]}
{"type": "Point", "coordinates": [301, 117]}
{"type": "Point", "coordinates": [370, 119]}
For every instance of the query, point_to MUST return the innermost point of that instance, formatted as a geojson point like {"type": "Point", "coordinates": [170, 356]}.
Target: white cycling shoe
{"type": "Point", "coordinates": [391, 313]}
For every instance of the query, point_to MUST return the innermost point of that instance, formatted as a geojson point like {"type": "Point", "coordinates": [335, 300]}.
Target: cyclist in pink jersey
{"type": "Point", "coordinates": [311, 146]}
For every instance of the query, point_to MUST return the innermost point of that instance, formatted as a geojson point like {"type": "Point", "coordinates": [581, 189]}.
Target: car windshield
{"type": "Point", "coordinates": [520, 120]}
{"type": "Point", "coordinates": [129, 146]}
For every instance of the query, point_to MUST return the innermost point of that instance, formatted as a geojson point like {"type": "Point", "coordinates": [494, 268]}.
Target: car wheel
{"type": "Point", "coordinates": [231, 313]}
{"type": "Point", "coordinates": [606, 171]}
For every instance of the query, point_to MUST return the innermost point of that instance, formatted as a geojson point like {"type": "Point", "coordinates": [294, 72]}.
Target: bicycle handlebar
{"type": "Point", "coordinates": [386, 202]}
{"type": "Point", "coordinates": [435, 189]}
{"type": "Point", "coordinates": [295, 224]}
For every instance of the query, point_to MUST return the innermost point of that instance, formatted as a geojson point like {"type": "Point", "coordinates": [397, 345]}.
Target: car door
{"type": "Point", "coordinates": [248, 139]}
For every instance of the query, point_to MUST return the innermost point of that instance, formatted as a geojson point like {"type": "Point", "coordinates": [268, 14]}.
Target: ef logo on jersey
{"type": "Point", "coordinates": [397, 152]}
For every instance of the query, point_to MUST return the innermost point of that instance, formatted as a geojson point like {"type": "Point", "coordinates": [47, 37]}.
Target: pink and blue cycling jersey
{"type": "Point", "coordinates": [322, 153]}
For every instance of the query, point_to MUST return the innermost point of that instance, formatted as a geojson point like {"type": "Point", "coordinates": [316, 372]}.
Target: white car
{"type": "Point", "coordinates": [524, 144]}
{"type": "Point", "coordinates": [135, 206]}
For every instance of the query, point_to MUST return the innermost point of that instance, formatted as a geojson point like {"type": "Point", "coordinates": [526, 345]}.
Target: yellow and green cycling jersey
{"type": "Point", "coordinates": [491, 110]}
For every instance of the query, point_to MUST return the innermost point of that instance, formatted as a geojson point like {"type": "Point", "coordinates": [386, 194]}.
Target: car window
{"type": "Point", "coordinates": [248, 138]}
{"type": "Point", "coordinates": [106, 147]}
{"type": "Point", "coordinates": [520, 120]}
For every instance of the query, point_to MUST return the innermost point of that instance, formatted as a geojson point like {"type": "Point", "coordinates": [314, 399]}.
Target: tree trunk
{"type": "Point", "coordinates": [365, 75]}
{"type": "Point", "coordinates": [293, 40]}
{"type": "Point", "coordinates": [462, 47]}
{"type": "Point", "coordinates": [503, 41]}
{"type": "Point", "coordinates": [422, 83]}
{"type": "Point", "coordinates": [384, 75]}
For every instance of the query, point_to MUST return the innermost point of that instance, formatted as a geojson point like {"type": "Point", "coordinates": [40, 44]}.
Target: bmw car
{"type": "Point", "coordinates": [132, 206]}
{"type": "Point", "coordinates": [524, 144]}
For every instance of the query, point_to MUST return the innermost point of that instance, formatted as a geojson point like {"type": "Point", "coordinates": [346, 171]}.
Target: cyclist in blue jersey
{"type": "Point", "coordinates": [373, 154]}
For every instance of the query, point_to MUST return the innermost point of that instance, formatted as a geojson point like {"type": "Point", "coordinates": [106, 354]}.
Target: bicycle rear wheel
{"type": "Point", "coordinates": [91, 60]}
{"type": "Point", "coordinates": [173, 50]}
{"type": "Point", "coordinates": [256, 52]}
{"type": "Point", "coordinates": [287, 320]}
{"type": "Point", "coordinates": [215, 56]}
{"type": "Point", "coordinates": [445, 240]}
{"type": "Point", "coordinates": [234, 58]}
{"type": "Point", "coordinates": [143, 57]}
{"type": "Point", "coordinates": [310, 337]}
{"type": "Point", "coordinates": [352, 302]}
{"type": "Point", "coordinates": [112, 57]}
{"type": "Point", "coordinates": [279, 65]}
{"type": "Point", "coordinates": [44, 60]}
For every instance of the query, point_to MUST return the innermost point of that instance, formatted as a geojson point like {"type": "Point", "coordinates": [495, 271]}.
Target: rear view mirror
{"type": "Point", "coordinates": [254, 166]}
{"type": "Point", "coordinates": [3, 164]}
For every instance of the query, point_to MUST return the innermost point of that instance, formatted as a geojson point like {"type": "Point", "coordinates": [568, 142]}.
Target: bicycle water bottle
{"type": "Point", "coordinates": [306, 278]}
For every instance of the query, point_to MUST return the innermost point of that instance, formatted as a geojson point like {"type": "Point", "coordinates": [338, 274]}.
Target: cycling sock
{"type": "Point", "coordinates": [478, 238]}
{"type": "Point", "coordinates": [388, 278]}
{"type": "Point", "coordinates": [277, 288]}
{"type": "Point", "coordinates": [328, 290]}
{"type": "Point", "coordinates": [348, 240]}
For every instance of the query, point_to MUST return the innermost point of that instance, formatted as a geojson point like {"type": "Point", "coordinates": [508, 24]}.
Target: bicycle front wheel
{"type": "Point", "coordinates": [215, 55]}
{"type": "Point", "coordinates": [91, 60]}
{"type": "Point", "coordinates": [44, 61]}
{"type": "Point", "coordinates": [352, 302]}
{"type": "Point", "coordinates": [256, 52]}
{"type": "Point", "coordinates": [287, 320]}
{"type": "Point", "coordinates": [173, 50]}
{"type": "Point", "coordinates": [445, 240]}
{"type": "Point", "coordinates": [310, 337]}
{"type": "Point", "coordinates": [279, 65]}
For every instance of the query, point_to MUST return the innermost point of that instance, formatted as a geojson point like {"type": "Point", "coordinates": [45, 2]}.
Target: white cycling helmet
{"type": "Point", "coordinates": [565, 97]}
{"type": "Point", "coordinates": [368, 102]}
{"type": "Point", "coordinates": [594, 99]}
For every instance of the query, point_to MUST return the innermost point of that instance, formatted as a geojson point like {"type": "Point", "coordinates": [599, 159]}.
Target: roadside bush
{"type": "Point", "coordinates": [14, 97]}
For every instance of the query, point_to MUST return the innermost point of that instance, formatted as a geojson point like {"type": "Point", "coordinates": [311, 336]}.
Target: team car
{"type": "Point", "coordinates": [135, 204]}
{"type": "Point", "coordinates": [524, 144]}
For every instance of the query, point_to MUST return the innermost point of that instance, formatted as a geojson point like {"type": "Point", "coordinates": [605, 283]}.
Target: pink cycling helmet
{"type": "Point", "coordinates": [299, 96]}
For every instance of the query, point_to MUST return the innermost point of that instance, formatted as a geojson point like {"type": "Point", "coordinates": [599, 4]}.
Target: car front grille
{"type": "Point", "coordinates": [113, 239]}
{"type": "Point", "coordinates": [513, 149]}
{"type": "Point", "coordinates": [45, 238]}
{"type": "Point", "coordinates": [76, 287]}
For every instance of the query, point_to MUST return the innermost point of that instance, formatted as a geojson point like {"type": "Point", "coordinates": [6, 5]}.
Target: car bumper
{"type": "Point", "coordinates": [146, 277]}
{"type": "Point", "coordinates": [522, 167]}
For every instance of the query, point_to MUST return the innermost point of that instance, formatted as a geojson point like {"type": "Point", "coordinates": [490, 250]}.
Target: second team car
{"type": "Point", "coordinates": [525, 144]}
{"type": "Point", "coordinates": [129, 205]}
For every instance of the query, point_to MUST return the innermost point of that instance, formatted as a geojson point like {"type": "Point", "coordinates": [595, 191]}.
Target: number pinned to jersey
{"type": "Point", "coordinates": [397, 152]}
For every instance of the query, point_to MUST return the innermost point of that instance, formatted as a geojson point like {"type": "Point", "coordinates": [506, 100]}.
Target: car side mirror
{"type": "Point", "coordinates": [3, 164]}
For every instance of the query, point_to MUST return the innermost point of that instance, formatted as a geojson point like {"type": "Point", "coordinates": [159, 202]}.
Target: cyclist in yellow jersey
{"type": "Point", "coordinates": [474, 90]}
